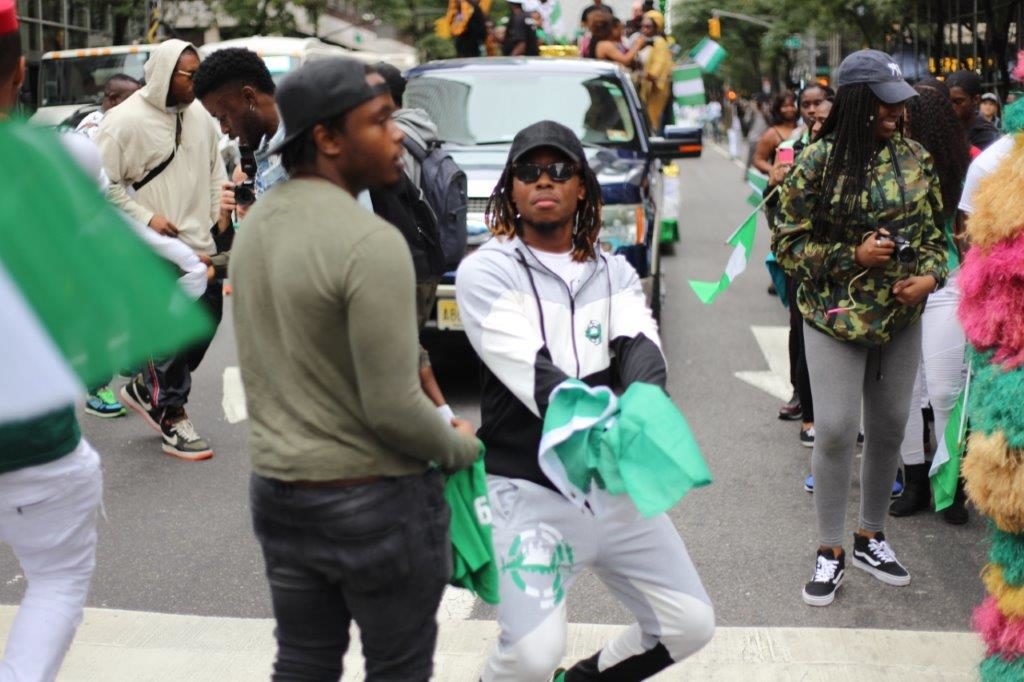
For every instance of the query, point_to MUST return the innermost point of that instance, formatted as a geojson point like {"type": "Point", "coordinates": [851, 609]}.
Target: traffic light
{"type": "Point", "coordinates": [714, 28]}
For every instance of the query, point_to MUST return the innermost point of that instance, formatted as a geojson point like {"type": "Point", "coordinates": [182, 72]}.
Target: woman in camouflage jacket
{"type": "Point", "coordinates": [860, 233]}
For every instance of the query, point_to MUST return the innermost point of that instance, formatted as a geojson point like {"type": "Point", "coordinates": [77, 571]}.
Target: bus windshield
{"type": "Point", "coordinates": [80, 80]}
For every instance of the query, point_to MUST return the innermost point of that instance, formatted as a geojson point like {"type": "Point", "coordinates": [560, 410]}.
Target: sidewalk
{"type": "Point", "coordinates": [134, 646]}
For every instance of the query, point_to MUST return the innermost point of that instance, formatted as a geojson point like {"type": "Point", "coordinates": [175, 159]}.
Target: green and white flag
{"type": "Point", "coordinates": [945, 470]}
{"type": "Point", "coordinates": [758, 183]}
{"type": "Point", "coordinates": [688, 86]}
{"type": "Point", "coordinates": [708, 54]}
{"type": "Point", "coordinates": [743, 241]}
{"type": "Point", "coordinates": [62, 315]}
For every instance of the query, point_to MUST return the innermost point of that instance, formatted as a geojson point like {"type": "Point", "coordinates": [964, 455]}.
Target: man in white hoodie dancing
{"type": "Point", "coordinates": [160, 152]}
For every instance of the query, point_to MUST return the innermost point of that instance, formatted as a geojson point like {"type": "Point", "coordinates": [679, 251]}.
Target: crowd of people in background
{"type": "Point", "coordinates": [639, 43]}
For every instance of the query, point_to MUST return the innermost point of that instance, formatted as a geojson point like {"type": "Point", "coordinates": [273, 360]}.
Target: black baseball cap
{"type": "Point", "coordinates": [546, 134]}
{"type": "Point", "coordinates": [321, 90]}
{"type": "Point", "coordinates": [879, 71]}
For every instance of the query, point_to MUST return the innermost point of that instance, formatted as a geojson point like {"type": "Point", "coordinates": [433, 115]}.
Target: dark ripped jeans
{"type": "Point", "coordinates": [378, 554]}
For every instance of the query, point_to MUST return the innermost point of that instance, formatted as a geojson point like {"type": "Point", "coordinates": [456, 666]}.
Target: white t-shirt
{"type": "Point", "coordinates": [564, 266]}
{"type": "Point", "coordinates": [983, 166]}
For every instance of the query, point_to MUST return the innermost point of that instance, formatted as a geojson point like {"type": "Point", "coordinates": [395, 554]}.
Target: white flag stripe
{"type": "Point", "coordinates": [737, 263]}
{"type": "Point", "coordinates": [707, 53]}
{"type": "Point", "coordinates": [684, 88]}
{"type": "Point", "coordinates": [30, 361]}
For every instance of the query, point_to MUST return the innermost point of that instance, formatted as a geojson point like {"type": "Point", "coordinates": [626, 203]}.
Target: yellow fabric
{"type": "Point", "coordinates": [1009, 599]}
{"type": "Point", "coordinates": [994, 479]}
{"type": "Point", "coordinates": [657, 17]}
{"type": "Point", "coordinates": [656, 84]}
{"type": "Point", "coordinates": [999, 211]}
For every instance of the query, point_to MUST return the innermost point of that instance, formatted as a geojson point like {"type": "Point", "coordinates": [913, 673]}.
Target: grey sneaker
{"type": "Point", "coordinates": [180, 437]}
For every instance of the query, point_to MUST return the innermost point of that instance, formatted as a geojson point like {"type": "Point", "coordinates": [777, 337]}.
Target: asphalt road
{"type": "Point", "coordinates": [177, 536]}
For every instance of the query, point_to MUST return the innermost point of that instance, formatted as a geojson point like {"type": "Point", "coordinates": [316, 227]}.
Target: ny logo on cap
{"type": "Point", "coordinates": [894, 68]}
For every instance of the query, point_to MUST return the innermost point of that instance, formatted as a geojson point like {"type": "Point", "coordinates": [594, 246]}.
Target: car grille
{"type": "Point", "coordinates": [476, 205]}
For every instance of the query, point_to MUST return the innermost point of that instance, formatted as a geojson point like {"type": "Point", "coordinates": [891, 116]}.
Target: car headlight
{"type": "Point", "coordinates": [622, 224]}
{"type": "Point", "coordinates": [476, 230]}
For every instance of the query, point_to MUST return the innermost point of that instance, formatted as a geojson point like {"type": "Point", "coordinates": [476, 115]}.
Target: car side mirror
{"type": "Point", "coordinates": [679, 142]}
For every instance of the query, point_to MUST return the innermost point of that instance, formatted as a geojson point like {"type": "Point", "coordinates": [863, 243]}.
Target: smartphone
{"type": "Point", "coordinates": [784, 156]}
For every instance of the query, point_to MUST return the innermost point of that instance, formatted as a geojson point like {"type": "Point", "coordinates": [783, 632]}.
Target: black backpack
{"type": "Point", "coordinates": [445, 187]}
{"type": "Point", "coordinates": [404, 206]}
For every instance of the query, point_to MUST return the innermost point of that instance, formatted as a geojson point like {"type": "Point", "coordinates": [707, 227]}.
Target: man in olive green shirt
{"type": "Point", "coordinates": [346, 502]}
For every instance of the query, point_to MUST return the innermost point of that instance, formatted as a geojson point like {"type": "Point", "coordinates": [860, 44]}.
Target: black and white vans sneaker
{"type": "Point", "coordinates": [828, 576]}
{"type": "Point", "coordinates": [875, 556]}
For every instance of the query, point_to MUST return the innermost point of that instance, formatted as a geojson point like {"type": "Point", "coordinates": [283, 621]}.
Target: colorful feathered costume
{"type": "Point", "coordinates": [992, 313]}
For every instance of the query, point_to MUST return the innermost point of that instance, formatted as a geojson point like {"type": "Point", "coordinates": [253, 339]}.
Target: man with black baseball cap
{"type": "Point", "coordinates": [345, 501]}
{"type": "Point", "coordinates": [543, 304]}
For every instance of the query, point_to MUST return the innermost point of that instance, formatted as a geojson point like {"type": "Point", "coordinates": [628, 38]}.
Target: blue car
{"type": "Point", "coordinates": [480, 104]}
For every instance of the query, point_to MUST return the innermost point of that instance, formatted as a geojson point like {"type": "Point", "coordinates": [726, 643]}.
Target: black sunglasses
{"type": "Point", "coordinates": [560, 171]}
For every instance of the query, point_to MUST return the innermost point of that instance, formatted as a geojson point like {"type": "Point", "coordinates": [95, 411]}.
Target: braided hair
{"type": "Point", "coordinates": [851, 125]}
{"type": "Point", "coordinates": [932, 121]}
{"type": "Point", "coordinates": [503, 220]}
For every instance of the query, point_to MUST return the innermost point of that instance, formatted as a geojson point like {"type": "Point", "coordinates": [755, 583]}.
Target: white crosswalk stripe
{"type": "Point", "coordinates": [112, 646]}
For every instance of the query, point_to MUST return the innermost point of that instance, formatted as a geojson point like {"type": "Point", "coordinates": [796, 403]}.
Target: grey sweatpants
{"type": "Point", "coordinates": [842, 374]}
{"type": "Point", "coordinates": [542, 542]}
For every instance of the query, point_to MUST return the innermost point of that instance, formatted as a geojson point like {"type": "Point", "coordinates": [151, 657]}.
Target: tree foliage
{"type": "Point", "coordinates": [894, 25]}
{"type": "Point", "coordinates": [263, 17]}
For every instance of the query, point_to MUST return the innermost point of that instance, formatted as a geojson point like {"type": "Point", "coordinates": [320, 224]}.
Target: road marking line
{"type": "Point", "coordinates": [774, 344]}
{"type": "Point", "coordinates": [456, 604]}
{"type": "Point", "coordinates": [725, 154]}
{"type": "Point", "coordinates": [234, 396]}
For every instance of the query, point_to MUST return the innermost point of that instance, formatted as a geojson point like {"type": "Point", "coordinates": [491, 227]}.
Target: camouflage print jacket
{"type": "Point", "coordinates": [835, 295]}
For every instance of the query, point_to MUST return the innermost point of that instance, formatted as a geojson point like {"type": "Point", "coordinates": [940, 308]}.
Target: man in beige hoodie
{"type": "Point", "coordinates": [160, 152]}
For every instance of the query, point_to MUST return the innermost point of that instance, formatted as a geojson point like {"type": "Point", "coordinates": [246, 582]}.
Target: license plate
{"type": "Point", "coordinates": [448, 314]}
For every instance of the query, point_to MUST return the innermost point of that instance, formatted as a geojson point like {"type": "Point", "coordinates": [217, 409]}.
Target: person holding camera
{"type": "Point", "coordinates": [161, 153]}
{"type": "Point", "coordinates": [235, 86]}
{"type": "Point", "coordinates": [860, 232]}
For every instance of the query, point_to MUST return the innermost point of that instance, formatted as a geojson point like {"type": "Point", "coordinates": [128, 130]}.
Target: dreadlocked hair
{"type": "Point", "coordinates": [503, 220]}
{"type": "Point", "coordinates": [932, 122]}
{"type": "Point", "coordinates": [851, 125]}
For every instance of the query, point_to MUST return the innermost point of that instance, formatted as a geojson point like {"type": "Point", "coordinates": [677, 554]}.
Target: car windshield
{"type": "Point", "coordinates": [80, 80]}
{"type": "Point", "coordinates": [463, 105]}
{"type": "Point", "coordinates": [280, 65]}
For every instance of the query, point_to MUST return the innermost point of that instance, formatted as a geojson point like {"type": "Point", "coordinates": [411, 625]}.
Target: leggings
{"type": "Point", "coordinates": [943, 370]}
{"type": "Point", "coordinates": [842, 375]}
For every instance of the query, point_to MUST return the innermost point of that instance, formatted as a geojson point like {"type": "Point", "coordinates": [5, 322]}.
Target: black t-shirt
{"type": "Point", "coordinates": [982, 133]}
{"type": "Point", "coordinates": [520, 30]}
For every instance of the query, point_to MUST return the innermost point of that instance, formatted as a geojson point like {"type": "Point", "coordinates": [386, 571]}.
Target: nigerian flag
{"type": "Point", "coordinates": [708, 54]}
{"type": "Point", "coordinates": [758, 183]}
{"type": "Point", "coordinates": [945, 470]}
{"type": "Point", "coordinates": [688, 85]}
{"type": "Point", "coordinates": [743, 241]}
{"type": "Point", "coordinates": [65, 322]}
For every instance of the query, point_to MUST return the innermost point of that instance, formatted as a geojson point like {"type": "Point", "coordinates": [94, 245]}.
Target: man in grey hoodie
{"type": "Point", "coordinates": [160, 151]}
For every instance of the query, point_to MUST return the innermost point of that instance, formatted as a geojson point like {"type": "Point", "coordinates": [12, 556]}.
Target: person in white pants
{"type": "Point", "coordinates": [48, 517]}
{"type": "Point", "coordinates": [932, 122]}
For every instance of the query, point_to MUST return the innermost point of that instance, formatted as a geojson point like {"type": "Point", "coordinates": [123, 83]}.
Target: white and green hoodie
{"type": "Point", "coordinates": [532, 334]}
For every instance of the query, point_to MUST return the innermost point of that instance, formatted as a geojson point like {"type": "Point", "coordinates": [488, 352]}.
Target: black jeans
{"type": "Point", "coordinates": [798, 374]}
{"type": "Point", "coordinates": [169, 380]}
{"type": "Point", "coordinates": [378, 554]}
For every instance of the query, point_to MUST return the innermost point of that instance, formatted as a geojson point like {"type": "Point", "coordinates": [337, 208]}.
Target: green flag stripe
{"type": "Point", "coordinates": [66, 246]}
